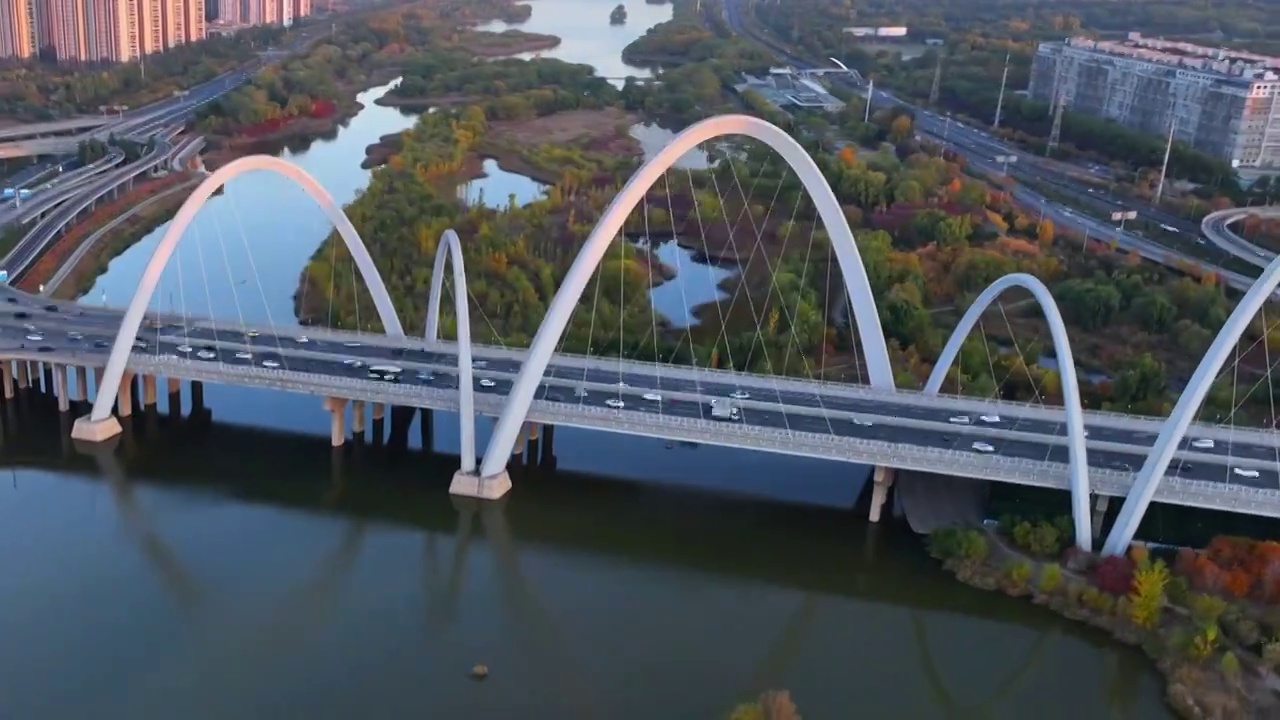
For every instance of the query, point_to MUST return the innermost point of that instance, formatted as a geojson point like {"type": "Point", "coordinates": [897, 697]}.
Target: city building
{"type": "Point", "coordinates": [17, 29]}
{"type": "Point", "coordinates": [1223, 102]}
{"type": "Point", "coordinates": [784, 89]}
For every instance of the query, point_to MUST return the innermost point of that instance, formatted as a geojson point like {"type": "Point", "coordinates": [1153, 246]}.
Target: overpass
{"type": "Point", "coordinates": [55, 127]}
{"type": "Point", "coordinates": [1217, 228]}
{"type": "Point", "coordinates": [890, 428]}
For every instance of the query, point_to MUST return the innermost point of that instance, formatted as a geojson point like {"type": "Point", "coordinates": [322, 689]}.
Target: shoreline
{"type": "Point", "coordinates": [1208, 672]}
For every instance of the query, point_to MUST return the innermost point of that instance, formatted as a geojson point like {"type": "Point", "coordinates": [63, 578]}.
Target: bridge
{"type": "Point", "coordinates": [55, 127]}
{"type": "Point", "coordinates": [1216, 227]}
{"type": "Point", "coordinates": [893, 429]}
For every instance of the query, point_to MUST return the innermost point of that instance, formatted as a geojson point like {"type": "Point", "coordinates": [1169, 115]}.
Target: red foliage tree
{"type": "Point", "coordinates": [1114, 575]}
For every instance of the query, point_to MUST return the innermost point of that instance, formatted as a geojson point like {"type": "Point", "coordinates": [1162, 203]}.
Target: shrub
{"type": "Point", "coordinates": [1018, 573]}
{"type": "Point", "coordinates": [1066, 528]}
{"type": "Point", "coordinates": [1146, 599]}
{"type": "Point", "coordinates": [1271, 654]}
{"type": "Point", "coordinates": [1230, 665]}
{"type": "Point", "coordinates": [1178, 591]}
{"type": "Point", "coordinates": [1050, 578]}
{"type": "Point", "coordinates": [1041, 538]}
{"type": "Point", "coordinates": [1114, 575]}
{"type": "Point", "coordinates": [1206, 609]}
{"type": "Point", "coordinates": [1241, 628]}
{"type": "Point", "coordinates": [1075, 592]}
{"type": "Point", "coordinates": [966, 544]}
{"type": "Point", "coordinates": [1140, 555]}
{"type": "Point", "coordinates": [1204, 643]}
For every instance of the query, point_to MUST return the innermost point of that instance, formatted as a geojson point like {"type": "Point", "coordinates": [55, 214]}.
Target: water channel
{"type": "Point", "coordinates": [215, 570]}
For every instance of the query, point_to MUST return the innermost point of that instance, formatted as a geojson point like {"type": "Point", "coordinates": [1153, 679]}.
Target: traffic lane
{"type": "Point", "coordinates": [659, 383]}
{"type": "Point", "coordinates": [634, 399]}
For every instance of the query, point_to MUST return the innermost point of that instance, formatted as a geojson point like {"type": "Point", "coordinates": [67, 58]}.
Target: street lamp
{"type": "Point", "coordinates": [1004, 161]}
{"type": "Point", "coordinates": [1122, 216]}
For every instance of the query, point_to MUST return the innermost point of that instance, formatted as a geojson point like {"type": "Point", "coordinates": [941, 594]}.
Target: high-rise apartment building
{"type": "Point", "coordinates": [61, 29]}
{"type": "Point", "coordinates": [1223, 102]}
{"type": "Point", "coordinates": [107, 36]}
{"type": "Point", "coordinates": [17, 29]}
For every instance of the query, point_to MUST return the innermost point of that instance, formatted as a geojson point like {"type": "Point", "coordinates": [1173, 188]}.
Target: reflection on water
{"type": "Point", "coordinates": [695, 283]}
{"type": "Point", "coordinates": [653, 138]}
{"type": "Point", "coordinates": [586, 37]}
{"type": "Point", "coordinates": [271, 572]}
{"type": "Point", "coordinates": [499, 188]}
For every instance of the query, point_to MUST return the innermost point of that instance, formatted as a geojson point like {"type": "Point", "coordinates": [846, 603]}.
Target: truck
{"type": "Point", "coordinates": [726, 412]}
{"type": "Point", "coordinates": [4, 277]}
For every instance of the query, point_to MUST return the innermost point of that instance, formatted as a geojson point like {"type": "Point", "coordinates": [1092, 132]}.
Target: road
{"type": "Point", "coordinates": [1217, 229]}
{"type": "Point", "coordinates": [908, 419]}
{"type": "Point", "coordinates": [980, 149]}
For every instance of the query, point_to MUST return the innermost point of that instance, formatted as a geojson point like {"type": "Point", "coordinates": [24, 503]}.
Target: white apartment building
{"type": "Point", "coordinates": [1223, 102]}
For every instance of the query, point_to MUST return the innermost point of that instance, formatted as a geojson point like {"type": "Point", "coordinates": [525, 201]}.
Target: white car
{"type": "Point", "coordinates": [35, 338]}
{"type": "Point", "coordinates": [861, 422]}
{"type": "Point", "coordinates": [983, 447]}
{"type": "Point", "coordinates": [487, 383]}
{"type": "Point", "coordinates": [386, 369]}
{"type": "Point", "coordinates": [270, 364]}
{"type": "Point", "coordinates": [740, 395]}
{"type": "Point", "coordinates": [426, 376]}
{"type": "Point", "coordinates": [206, 355]}
{"type": "Point", "coordinates": [958, 419]}
{"type": "Point", "coordinates": [1202, 443]}
{"type": "Point", "coordinates": [243, 355]}
{"type": "Point", "coordinates": [73, 335]}
{"type": "Point", "coordinates": [622, 384]}
{"type": "Point", "coordinates": [252, 333]}
{"type": "Point", "coordinates": [1245, 472]}
{"type": "Point", "coordinates": [351, 343]}
{"type": "Point", "coordinates": [993, 418]}
{"type": "Point", "coordinates": [302, 339]}
{"type": "Point", "coordinates": [652, 397]}
{"type": "Point", "coordinates": [615, 403]}
{"type": "Point", "coordinates": [184, 349]}
{"type": "Point", "coordinates": [140, 344]}
{"type": "Point", "coordinates": [479, 363]}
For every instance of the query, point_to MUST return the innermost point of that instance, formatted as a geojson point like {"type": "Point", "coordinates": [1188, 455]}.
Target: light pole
{"type": "Point", "coordinates": [1164, 166]}
{"type": "Point", "coordinates": [1121, 216]}
{"type": "Point", "coordinates": [1004, 161]}
{"type": "Point", "coordinates": [871, 91]}
{"type": "Point", "coordinates": [1004, 78]}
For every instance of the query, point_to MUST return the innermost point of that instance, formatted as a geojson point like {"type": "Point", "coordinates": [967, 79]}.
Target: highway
{"type": "Point", "coordinates": [907, 419]}
{"type": "Point", "coordinates": [1217, 229]}
{"type": "Point", "coordinates": [980, 149]}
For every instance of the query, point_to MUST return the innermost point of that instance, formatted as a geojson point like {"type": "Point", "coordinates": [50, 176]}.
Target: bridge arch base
{"type": "Point", "coordinates": [86, 429]}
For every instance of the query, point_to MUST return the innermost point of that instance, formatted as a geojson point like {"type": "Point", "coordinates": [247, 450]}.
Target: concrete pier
{"type": "Point", "coordinates": [357, 419]}
{"type": "Point", "coordinates": [1099, 514]}
{"type": "Point", "coordinates": [82, 385]}
{"type": "Point", "coordinates": [148, 391]}
{"type": "Point", "coordinates": [124, 398]}
{"type": "Point", "coordinates": [882, 480]}
{"type": "Point", "coordinates": [60, 388]}
{"type": "Point", "coordinates": [22, 374]}
{"type": "Point", "coordinates": [337, 408]}
{"type": "Point", "coordinates": [97, 381]}
{"type": "Point", "coordinates": [6, 378]}
{"type": "Point", "coordinates": [470, 484]}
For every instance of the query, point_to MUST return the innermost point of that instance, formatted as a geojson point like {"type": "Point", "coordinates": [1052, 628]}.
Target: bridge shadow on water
{"type": "Point", "coordinates": [388, 484]}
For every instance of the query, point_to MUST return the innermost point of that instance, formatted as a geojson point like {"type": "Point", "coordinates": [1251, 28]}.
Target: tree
{"type": "Point", "coordinates": [900, 128]}
{"type": "Point", "coordinates": [1044, 232]}
{"type": "Point", "coordinates": [1146, 600]}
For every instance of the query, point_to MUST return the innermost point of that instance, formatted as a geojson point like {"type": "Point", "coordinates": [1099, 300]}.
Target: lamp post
{"type": "Point", "coordinates": [1005, 161]}
{"type": "Point", "coordinates": [1122, 216]}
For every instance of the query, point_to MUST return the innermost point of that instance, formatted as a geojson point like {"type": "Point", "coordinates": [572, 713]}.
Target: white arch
{"type": "Point", "coordinates": [451, 249]}
{"type": "Point", "coordinates": [1175, 428]}
{"type": "Point", "coordinates": [861, 300]}
{"type": "Point", "coordinates": [1076, 454]}
{"type": "Point", "coordinates": [186, 214]}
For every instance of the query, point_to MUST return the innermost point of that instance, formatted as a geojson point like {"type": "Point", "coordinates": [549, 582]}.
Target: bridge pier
{"type": "Point", "coordinates": [1100, 506]}
{"type": "Point", "coordinates": [148, 391]}
{"type": "Point", "coordinates": [882, 480]}
{"type": "Point", "coordinates": [425, 430]}
{"type": "Point", "coordinates": [60, 388]}
{"type": "Point", "coordinates": [82, 385]}
{"type": "Point", "coordinates": [22, 374]}
{"type": "Point", "coordinates": [378, 426]}
{"type": "Point", "coordinates": [337, 408]}
{"type": "Point", "coordinates": [357, 419]}
{"type": "Point", "coordinates": [468, 483]}
{"type": "Point", "coordinates": [46, 369]}
{"type": "Point", "coordinates": [124, 398]}
{"type": "Point", "coordinates": [6, 378]}
{"type": "Point", "coordinates": [548, 458]}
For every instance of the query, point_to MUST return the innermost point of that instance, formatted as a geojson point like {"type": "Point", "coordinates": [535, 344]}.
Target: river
{"type": "Point", "coordinates": [229, 567]}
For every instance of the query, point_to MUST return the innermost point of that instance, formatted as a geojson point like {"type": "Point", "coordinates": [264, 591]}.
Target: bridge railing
{"type": "Point", "coordinates": [1044, 473]}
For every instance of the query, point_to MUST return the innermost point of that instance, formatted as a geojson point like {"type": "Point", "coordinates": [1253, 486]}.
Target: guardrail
{"type": "Point", "coordinates": [67, 185]}
{"type": "Point", "coordinates": [44, 232]}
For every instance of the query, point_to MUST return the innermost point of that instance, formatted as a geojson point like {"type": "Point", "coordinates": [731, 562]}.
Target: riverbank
{"type": "Point", "coordinates": [52, 260]}
{"type": "Point", "coordinates": [1210, 649]}
{"type": "Point", "coordinates": [505, 43]}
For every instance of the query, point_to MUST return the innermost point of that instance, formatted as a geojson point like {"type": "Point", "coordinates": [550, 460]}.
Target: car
{"type": "Point", "coordinates": [948, 438]}
{"type": "Point", "coordinates": [44, 348]}
{"type": "Point", "coordinates": [270, 364]}
{"type": "Point", "coordinates": [862, 422]}
{"type": "Point", "coordinates": [184, 349]}
{"type": "Point", "coordinates": [958, 419]}
{"type": "Point", "coordinates": [622, 384]}
{"type": "Point", "coordinates": [652, 397]}
{"type": "Point", "coordinates": [1245, 472]}
{"type": "Point", "coordinates": [206, 355]}
{"type": "Point", "coordinates": [425, 376]}
{"type": "Point", "coordinates": [615, 403]}
{"type": "Point", "coordinates": [35, 338]}
{"type": "Point", "coordinates": [101, 344]}
{"type": "Point", "coordinates": [1119, 465]}
{"type": "Point", "coordinates": [244, 355]}
{"type": "Point", "coordinates": [992, 418]}
{"type": "Point", "coordinates": [51, 307]}
{"type": "Point", "coordinates": [252, 333]}
{"type": "Point", "coordinates": [479, 363]}
{"type": "Point", "coordinates": [386, 369]}
{"type": "Point", "coordinates": [140, 344]}
{"type": "Point", "coordinates": [487, 383]}
{"type": "Point", "coordinates": [22, 315]}
{"type": "Point", "coordinates": [351, 344]}
{"type": "Point", "coordinates": [740, 395]}
{"type": "Point", "coordinates": [983, 447]}
{"type": "Point", "coordinates": [73, 335]}
{"type": "Point", "coordinates": [1202, 443]}
{"type": "Point", "coordinates": [12, 299]}
{"type": "Point", "coordinates": [302, 339]}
